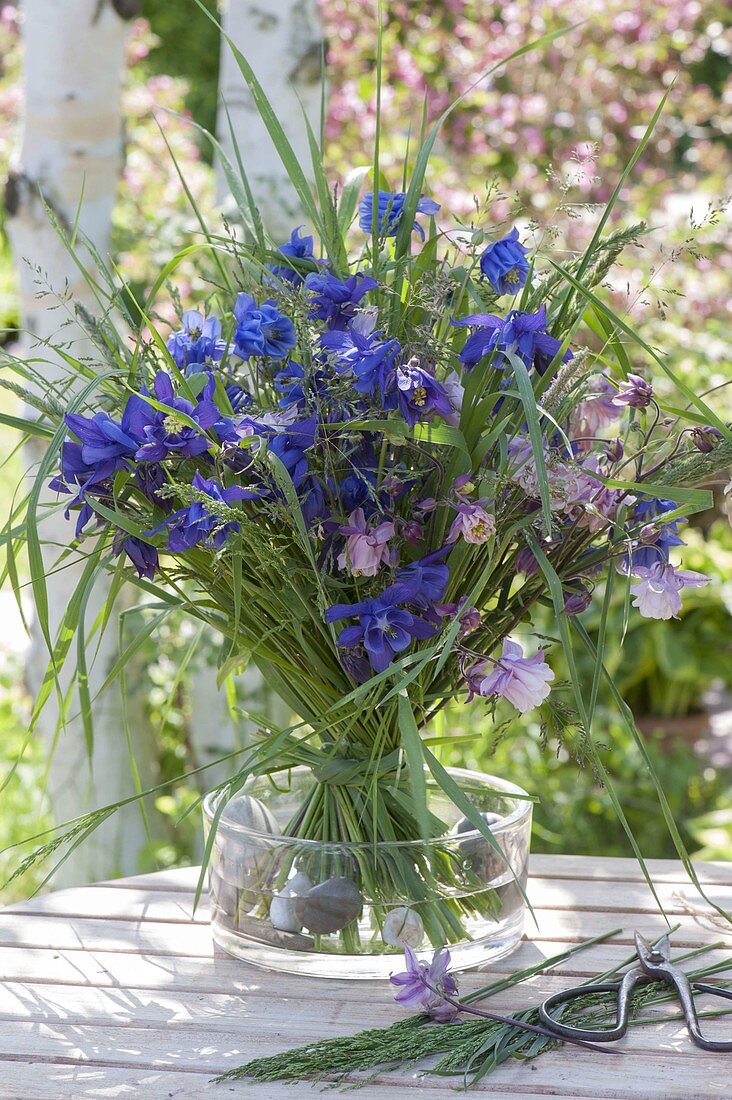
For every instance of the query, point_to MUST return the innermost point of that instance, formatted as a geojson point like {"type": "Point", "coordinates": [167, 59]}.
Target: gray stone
{"type": "Point", "coordinates": [248, 811]}
{"type": "Point", "coordinates": [330, 906]}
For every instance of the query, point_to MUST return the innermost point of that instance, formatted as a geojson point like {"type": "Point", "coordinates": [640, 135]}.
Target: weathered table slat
{"type": "Point", "coordinates": [112, 990]}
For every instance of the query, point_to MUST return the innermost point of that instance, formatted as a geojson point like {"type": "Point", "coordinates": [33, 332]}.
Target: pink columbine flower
{"type": "Point", "coordinates": [658, 586]}
{"type": "Point", "coordinates": [473, 523]}
{"type": "Point", "coordinates": [521, 680]}
{"type": "Point", "coordinates": [366, 550]}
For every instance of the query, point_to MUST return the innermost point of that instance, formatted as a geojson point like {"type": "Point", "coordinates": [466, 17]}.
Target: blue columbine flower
{"type": "Point", "coordinates": [290, 447]}
{"type": "Point", "coordinates": [523, 334]}
{"type": "Point", "coordinates": [261, 330]}
{"type": "Point", "coordinates": [384, 629]}
{"type": "Point", "coordinates": [161, 432]}
{"type": "Point", "coordinates": [335, 301]}
{"type": "Point", "coordinates": [420, 395]}
{"type": "Point", "coordinates": [195, 523]}
{"type": "Point", "coordinates": [390, 206]}
{"type": "Point", "coordinates": [299, 248]}
{"type": "Point", "coordinates": [198, 342]}
{"type": "Point", "coordinates": [504, 264]}
{"type": "Point", "coordinates": [107, 445]}
{"type": "Point", "coordinates": [81, 479]}
{"type": "Point", "coordinates": [142, 554]}
{"type": "Point", "coordinates": [423, 583]}
{"type": "Point", "coordinates": [371, 359]}
{"type": "Point", "coordinates": [240, 398]}
{"type": "Point", "coordinates": [294, 386]}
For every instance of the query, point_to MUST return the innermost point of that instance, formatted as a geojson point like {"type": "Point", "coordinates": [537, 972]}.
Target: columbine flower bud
{"type": "Point", "coordinates": [705, 438]}
{"type": "Point", "coordinates": [413, 532]}
{"type": "Point", "coordinates": [648, 534]}
{"type": "Point", "coordinates": [577, 600]}
{"type": "Point", "coordinates": [526, 563]}
{"type": "Point", "coordinates": [634, 392]}
{"type": "Point", "coordinates": [614, 451]}
{"type": "Point", "coordinates": [392, 485]}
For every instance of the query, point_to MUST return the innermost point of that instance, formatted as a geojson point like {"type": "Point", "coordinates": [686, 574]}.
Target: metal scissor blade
{"type": "Point", "coordinates": [660, 951]}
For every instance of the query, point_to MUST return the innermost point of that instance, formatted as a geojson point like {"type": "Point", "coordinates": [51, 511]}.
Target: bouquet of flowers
{"type": "Point", "coordinates": [365, 465]}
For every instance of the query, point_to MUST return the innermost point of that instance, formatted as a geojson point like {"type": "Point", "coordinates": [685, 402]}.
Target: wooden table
{"type": "Point", "coordinates": [113, 991]}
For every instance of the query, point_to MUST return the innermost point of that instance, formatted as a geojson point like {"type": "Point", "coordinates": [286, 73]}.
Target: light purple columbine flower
{"type": "Point", "coordinates": [657, 589]}
{"type": "Point", "coordinates": [473, 523]}
{"type": "Point", "coordinates": [367, 548]}
{"type": "Point", "coordinates": [425, 985]}
{"type": "Point", "coordinates": [455, 393]}
{"type": "Point", "coordinates": [634, 392]}
{"type": "Point", "coordinates": [521, 680]}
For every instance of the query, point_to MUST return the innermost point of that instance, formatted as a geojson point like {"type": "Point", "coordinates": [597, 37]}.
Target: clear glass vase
{"type": "Point", "coordinates": [346, 910]}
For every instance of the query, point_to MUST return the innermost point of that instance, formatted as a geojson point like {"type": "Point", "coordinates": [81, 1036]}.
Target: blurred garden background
{"type": "Point", "coordinates": [543, 143]}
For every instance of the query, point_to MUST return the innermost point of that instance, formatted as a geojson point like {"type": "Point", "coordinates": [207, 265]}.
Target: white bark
{"type": "Point", "coordinates": [71, 152]}
{"type": "Point", "coordinates": [281, 39]}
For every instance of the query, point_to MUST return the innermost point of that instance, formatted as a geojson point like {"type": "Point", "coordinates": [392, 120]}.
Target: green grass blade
{"type": "Point", "coordinates": [592, 246]}
{"type": "Point", "coordinates": [555, 588]}
{"type": "Point", "coordinates": [629, 722]}
{"type": "Point", "coordinates": [414, 752]}
{"type": "Point", "coordinates": [600, 307]}
{"type": "Point", "coordinates": [528, 400]}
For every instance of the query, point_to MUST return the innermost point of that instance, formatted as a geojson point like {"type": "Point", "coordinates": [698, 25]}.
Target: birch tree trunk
{"type": "Point", "coordinates": [282, 40]}
{"type": "Point", "coordinates": [71, 154]}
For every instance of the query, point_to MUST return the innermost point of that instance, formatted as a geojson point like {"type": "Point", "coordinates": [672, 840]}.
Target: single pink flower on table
{"type": "Point", "coordinates": [473, 523]}
{"type": "Point", "coordinates": [366, 550]}
{"type": "Point", "coordinates": [521, 680]}
{"type": "Point", "coordinates": [657, 589]}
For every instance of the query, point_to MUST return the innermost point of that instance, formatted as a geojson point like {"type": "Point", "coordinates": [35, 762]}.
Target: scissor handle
{"type": "Point", "coordinates": [623, 989]}
{"type": "Point", "coordinates": [692, 1019]}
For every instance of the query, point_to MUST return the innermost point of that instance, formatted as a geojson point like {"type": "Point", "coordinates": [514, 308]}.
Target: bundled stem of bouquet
{"type": "Point", "coordinates": [470, 1048]}
{"type": "Point", "coordinates": [365, 471]}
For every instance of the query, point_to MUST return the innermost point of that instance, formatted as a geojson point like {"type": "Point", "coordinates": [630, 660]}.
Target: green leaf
{"type": "Point", "coordinates": [668, 816]}
{"type": "Point", "coordinates": [555, 587]}
{"type": "Point", "coordinates": [528, 400]}
{"type": "Point", "coordinates": [28, 426]}
{"type": "Point", "coordinates": [349, 197]}
{"type": "Point", "coordinates": [414, 752]}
